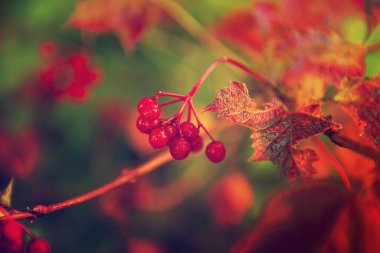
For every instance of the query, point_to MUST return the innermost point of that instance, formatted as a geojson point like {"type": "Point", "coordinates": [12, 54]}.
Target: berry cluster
{"type": "Point", "coordinates": [181, 137]}
{"type": "Point", "coordinates": [12, 240]}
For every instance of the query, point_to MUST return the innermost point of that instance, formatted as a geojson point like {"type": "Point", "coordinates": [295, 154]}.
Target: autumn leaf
{"type": "Point", "coordinates": [363, 97]}
{"type": "Point", "coordinates": [127, 19]}
{"type": "Point", "coordinates": [275, 130]}
{"type": "Point", "coordinates": [299, 220]}
{"type": "Point", "coordinates": [372, 9]}
{"type": "Point", "coordinates": [326, 53]}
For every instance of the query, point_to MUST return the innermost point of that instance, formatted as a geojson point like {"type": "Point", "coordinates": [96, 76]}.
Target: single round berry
{"type": "Point", "coordinates": [149, 108]}
{"type": "Point", "coordinates": [189, 131]}
{"type": "Point", "coordinates": [38, 245]}
{"type": "Point", "coordinates": [215, 151]}
{"type": "Point", "coordinates": [197, 145]}
{"type": "Point", "coordinates": [11, 237]}
{"type": "Point", "coordinates": [171, 130]}
{"type": "Point", "coordinates": [145, 125]}
{"type": "Point", "coordinates": [180, 148]}
{"type": "Point", "coordinates": [158, 138]}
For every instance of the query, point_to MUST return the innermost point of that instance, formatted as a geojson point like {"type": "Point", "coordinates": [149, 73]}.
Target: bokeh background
{"type": "Point", "coordinates": [66, 143]}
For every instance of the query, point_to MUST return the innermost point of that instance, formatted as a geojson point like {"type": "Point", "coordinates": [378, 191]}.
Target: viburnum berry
{"type": "Point", "coordinates": [38, 245]}
{"type": "Point", "coordinates": [149, 108]}
{"type": "Point", "coordinates": [171, 131]}
{"type": "Point", "coordinates": [189, 131]}
{"type": "Point", "coordinates": [197, 144]}
{"type": "Point", "coordinates": [158, 138]}
{"type": "Point", "coordinates": [180, 148]}
{"type": "Point", "coordinates": [11, 237]}
{"type": "Point", "coordinates": [145, 125]}
{"type": "Point", "coordinates": [215, 151]}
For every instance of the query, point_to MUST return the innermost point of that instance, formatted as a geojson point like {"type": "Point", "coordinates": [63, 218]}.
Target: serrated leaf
{"type": "Point", "coordinates": [363, 97]}
{"type": "Point", "coordinates": [275, 130]}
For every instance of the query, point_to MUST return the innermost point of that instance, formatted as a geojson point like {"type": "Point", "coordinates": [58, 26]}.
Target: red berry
{"type": "Point", "coordinates": [11, 237]}
{"type": "Point", "coordinates": [215, 151]}
{"type": "Point", "coordinates": [145, 125]}
{"type": "Point", "coordinates": [38, 245]}
{"type": "Point", "coordinates": [171, 131]}
{"type": "Point", "coordinates": [197, 144]}
{"type": "Point", "coordinates": [189, 131]}
{"type": "Point", "coordinates": [158, 138]}
{"type": "Point", "coordinates": [149, 108]}
{"type": "Point", "coordinates": [180, 148]}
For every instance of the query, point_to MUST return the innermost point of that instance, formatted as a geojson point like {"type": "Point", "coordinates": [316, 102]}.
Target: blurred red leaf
{"type": "Point", "coordinates": [230, 199]}
{"type": "Point", "coordinates": [358, 227]}
{"type": "Point", "coordinates": [128, 19]}
{"type": "Point", "coordinates": [363, 98]}
{"type": "Point", "coordinates": [69, 76]}
{"type": "Point", "coordinates": [140, 245]}
{"type": "Point", "coordinates": [241, 28]}
{"type": "Point", "coordinates": [372, 9]}
{"type": "Point", "coordinates": [298, 220]}
{"type": "Point", "coordinates": [276, 131]}
{"type": "Point", "coordinates": [19, 154]}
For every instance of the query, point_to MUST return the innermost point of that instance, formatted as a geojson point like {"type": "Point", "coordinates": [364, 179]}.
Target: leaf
{"type": "Point", "coordinates": [6, 194]}
{"type": "Point", "coordinates": [298, 220]}
{"type": "Point", "coordinates": [227, 208]}
{"type": "Point", "coordinates": [241, 28]}
{"type": "Point", "coordinates": [358, 226]}
{"type": "Point", "coordinates": [275, 130]}
{"type": "Point", "coordinates": [326, 53]}
{"type": "Point", "coordinates": [127, 19]}
{"type": "Point", "coordinates": [372, 9]}
{"type": "Point", "coordinates": [363, 96]}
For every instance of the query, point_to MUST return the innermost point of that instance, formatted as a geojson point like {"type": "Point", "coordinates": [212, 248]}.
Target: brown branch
{"type": "Point", "coordinates": [127, 176]}
{"type": "Point", "coordinates": [360, 148]}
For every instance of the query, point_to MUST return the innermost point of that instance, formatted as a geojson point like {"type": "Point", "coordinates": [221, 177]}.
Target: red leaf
{"type": "Point", "coordinates": [364, 96]}
{"type": "Point", "coordinates": [296, 220]}
{"type": "Point", "coordinates": [230, 199]}
{"type": "Point", "coordinates": [372, 9]}
{"type": "Point", "coordinates": [128, 19]}
{"type": "Point", "coordinates": [358, 227]}
{"type": "Point", "coordinates": [69, 76]}
{"type": "Point", "coordinates": [241, 28]}
{"type": "Point", "coordinates": [276, 131]}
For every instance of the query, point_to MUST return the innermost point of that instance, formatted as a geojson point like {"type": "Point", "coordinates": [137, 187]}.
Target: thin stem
{"type": "Point", "coordinates": [171, 102]}
{"type": "Point", "coordinates": [338, 166]}
{"type": "Point", "coordinates": [237, 64]}
{"type": "Point", "coordinates": [27, 230]}
{"type": "Point", "coordinates": [169, 94]}
{"type": "Point", "coordinates": [188, 114]}
{"type": "Point", "coordinates": [345, 142]}
{"type": "Point", "coordinates": [200, 125]}
{"type": "Point", "coordinates": [193, 27]}
{"type": "Point", "coordinates": [128, 176]}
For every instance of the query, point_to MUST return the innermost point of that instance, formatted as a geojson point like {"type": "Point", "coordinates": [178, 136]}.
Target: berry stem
{"type": "Point", "coordinates": [127, 176]}
{"type": "Point", "coordinates": [171, 102]}
{"type": "Point", "coordinates": [235, 63]}
{"type": "Point", "coordinates": [27, 230]}
{"type": "Point", "coordinates": [338, 166]}
{"type": "Point", "coordinates": [200, 125]}
{"type": "Point", "coordinates": [168, 94]}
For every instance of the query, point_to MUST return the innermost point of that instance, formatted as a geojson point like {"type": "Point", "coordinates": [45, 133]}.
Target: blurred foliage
{"type": "Point", "coordinates": [79, 151]}
{"type": "Point", "coordinates": [81, 148]}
